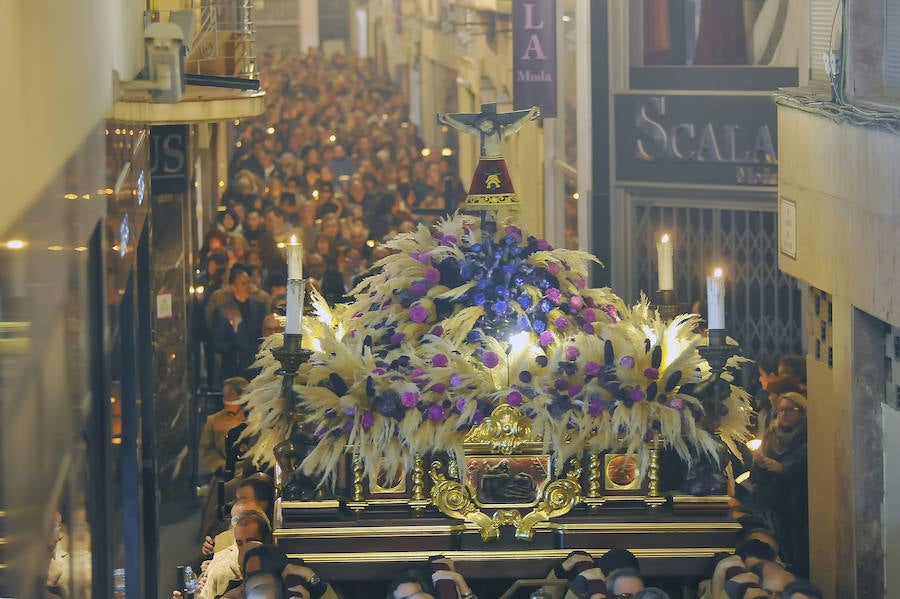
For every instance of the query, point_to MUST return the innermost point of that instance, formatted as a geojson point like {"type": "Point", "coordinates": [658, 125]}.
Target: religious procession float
{"type": "Point", "coordinates": [477, 398]}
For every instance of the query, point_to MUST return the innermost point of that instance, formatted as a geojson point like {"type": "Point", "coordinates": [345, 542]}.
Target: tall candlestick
{"type": "Point", "coordinates": [715, 300]}
{"type": "Point", "coordinates": [664, 252]}
{"type": "Point", "coordinates": [294, 258]}
{"type": "Point", "coordinates": [293, 326]}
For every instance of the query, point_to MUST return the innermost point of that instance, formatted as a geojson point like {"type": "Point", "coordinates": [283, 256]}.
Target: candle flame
{"type": "Point", "coordinates": [293, 240]}
{"type": "Point", "coordinates": [717, 272]}
{"type": "Point", "coordinates": [665, 238]}
{"type": "Point", "coordinates": [754, 444]}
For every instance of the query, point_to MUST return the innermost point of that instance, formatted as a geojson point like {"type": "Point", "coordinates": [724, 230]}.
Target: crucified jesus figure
{"type": "Point", "coordinates": [492, 127]}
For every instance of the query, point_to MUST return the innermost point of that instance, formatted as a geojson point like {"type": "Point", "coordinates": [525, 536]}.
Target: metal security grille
{"type": "Point", "coordinates": [762, 305]}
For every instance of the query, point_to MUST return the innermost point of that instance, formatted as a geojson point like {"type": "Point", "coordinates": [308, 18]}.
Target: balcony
{"type": "Point", "coordinates": [220, 66]}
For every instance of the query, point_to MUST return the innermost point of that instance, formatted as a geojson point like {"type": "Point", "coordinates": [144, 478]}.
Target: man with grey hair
{"type": "Point", "coordinates": [247, 525]}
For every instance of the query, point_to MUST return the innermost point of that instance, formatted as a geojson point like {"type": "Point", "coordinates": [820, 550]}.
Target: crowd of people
{"type": "Point", "coordinates": [251, 567]}
{"type": "Point", "coordinates": [334, 163]}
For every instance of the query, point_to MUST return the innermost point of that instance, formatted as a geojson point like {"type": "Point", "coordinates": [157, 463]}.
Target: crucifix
{"type": "Point", "coordinates": [491, 186]}
{"type": "Point", "coordinates": [491, 126]}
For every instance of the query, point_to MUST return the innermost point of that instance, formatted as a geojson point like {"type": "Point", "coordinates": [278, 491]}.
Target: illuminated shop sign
{"type": "Point", "coordinates": [696, 139]}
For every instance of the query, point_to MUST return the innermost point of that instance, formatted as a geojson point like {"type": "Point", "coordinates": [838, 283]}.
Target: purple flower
{"type": "Point", "coordinates": [437, 331]}
{"type": "Point", "coordinates": [636, 394]}
{"type": "Point", "coordinates": [676, 402]}
{"type": "Point", "coordinates": [651, 373]}
{"type": "Point", "coordinates": [546, 338]}
{"type": "Point", "coordinates": [591, 368]}
{"type": "Point", "coordinates": [439, 360]}
{"type": "Point", "coordinates": [418, 375]}
{"type": "Point", "coordinates": [515, 232]}
{"type": "Point", "coordinates": [572, 353]}
{"type": "Point", "coordinates": [409, 399]}
{"type": "Point", "coordinates": [611, 312]}
{"type": "Point", "coordinates": [627, 362]}
{"type": "Point", "coordinates": [554, 294]}
{"type": "Point", "coordinates": [418, 289]}
{"type": "Point", "coordinates": [368, 420]}
{"type": "Point", "coordinates": [456, 380]}
{"type": "Point", "coordinates": [461, 404]}
{"type": "Point", "coordinates": [436, 413]}
{"type": "Point", "coordinates": [576, 302]}
{"type": "Point", "coordinates": [477, 417]}
{"type": "Point", "coordinates": [553, 267]}
{"type": "Point", "coordinates": [439, 387]}
{"type": "Point", "coordinates": [379, 371]}
{"type": "Point", "coordinates": [418, 313]}
{"type": "Point", "coordinates": [349, 410]}
{"type": "Point", "coordinates": [595, 408]}
{"type": "Point", "coordinates": [560, 323]}
{"type": "Point", "coordinates": [575, 390]}
{"type": "Point", "coordinates": [588, 328]}
{"type": "Point", "coordinates": [490, 359]}
{"type": "Point", "coordinates": [544, 245]}
{"type": "Point", "coordinates": [514, 399]}
{"type": "Point", "coordinates": [589, 315]}
{"type": "Point", "coordinates": [396, 338]}
{"type": "Point", "coordinates": [580, 283]}
{"type": "Point", "coordinates": [423, 258]}
{"type": "Point", "coordinates": [433, 275]}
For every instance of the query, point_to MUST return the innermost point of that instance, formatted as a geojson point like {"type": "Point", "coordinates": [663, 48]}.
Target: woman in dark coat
{"type": "Point", "coordinates": [779, 475]}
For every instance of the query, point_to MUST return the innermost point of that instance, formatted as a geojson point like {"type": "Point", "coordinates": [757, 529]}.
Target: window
{"type": "Point", "coordinates": [872, 52]}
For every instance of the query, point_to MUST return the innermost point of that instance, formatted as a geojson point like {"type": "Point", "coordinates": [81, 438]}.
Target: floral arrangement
{"type": "Point", "coordinates": [456, 322]}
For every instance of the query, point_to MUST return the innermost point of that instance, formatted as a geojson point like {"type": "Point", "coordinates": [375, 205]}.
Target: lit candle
{"type": "Point", "coordinates": [715, 300]}
{"type": "Point", "coordinates": [294, 287]}
{"type": "Point", "coordinates": [294, 258]}
{"type": "Point", "coordinates": [664, 253]}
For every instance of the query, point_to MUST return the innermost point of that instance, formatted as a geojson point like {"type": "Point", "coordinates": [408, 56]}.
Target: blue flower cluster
{"type": "Point", "coordinates": [507, 286]}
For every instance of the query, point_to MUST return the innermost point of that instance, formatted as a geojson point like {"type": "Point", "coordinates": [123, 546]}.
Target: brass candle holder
{"type": "Point", "coordinates": [666, 302]}
{"type": "Point", "coordinates": [291, 355]}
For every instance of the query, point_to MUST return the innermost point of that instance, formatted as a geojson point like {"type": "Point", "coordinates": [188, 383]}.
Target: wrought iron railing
{"type": "Point", "coordinates": [223, 37]}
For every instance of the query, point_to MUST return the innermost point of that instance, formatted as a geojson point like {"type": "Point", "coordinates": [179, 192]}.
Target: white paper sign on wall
{"type": "Point", "coordinates": [787, 227]}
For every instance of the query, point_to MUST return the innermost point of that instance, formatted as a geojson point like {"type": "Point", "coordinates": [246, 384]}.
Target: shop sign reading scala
{"type": "Point", "coordinates": [696, 139]}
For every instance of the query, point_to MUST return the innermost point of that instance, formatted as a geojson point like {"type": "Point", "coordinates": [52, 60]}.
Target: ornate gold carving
{"type": "Point", "coordinates": [357, 477]}
{"type": "Point", "coordinates": [505, 430]}
{"type": "Point", "coordinates": [595, 474]}
{"type": "Point", "coordinates": [653, 470]}
{"type": "Point", "coordinates": [492, 200]}
{"type": "Point", "coordinates": [455, 500]}
{"type": "Point", "coordinates": [418, 478]}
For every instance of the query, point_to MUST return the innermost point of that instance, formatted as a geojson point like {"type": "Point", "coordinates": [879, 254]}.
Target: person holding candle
{"type": "Point", "coordinates": [237, 326]}
{"type": "Point", "coordinates": [779, 475]}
